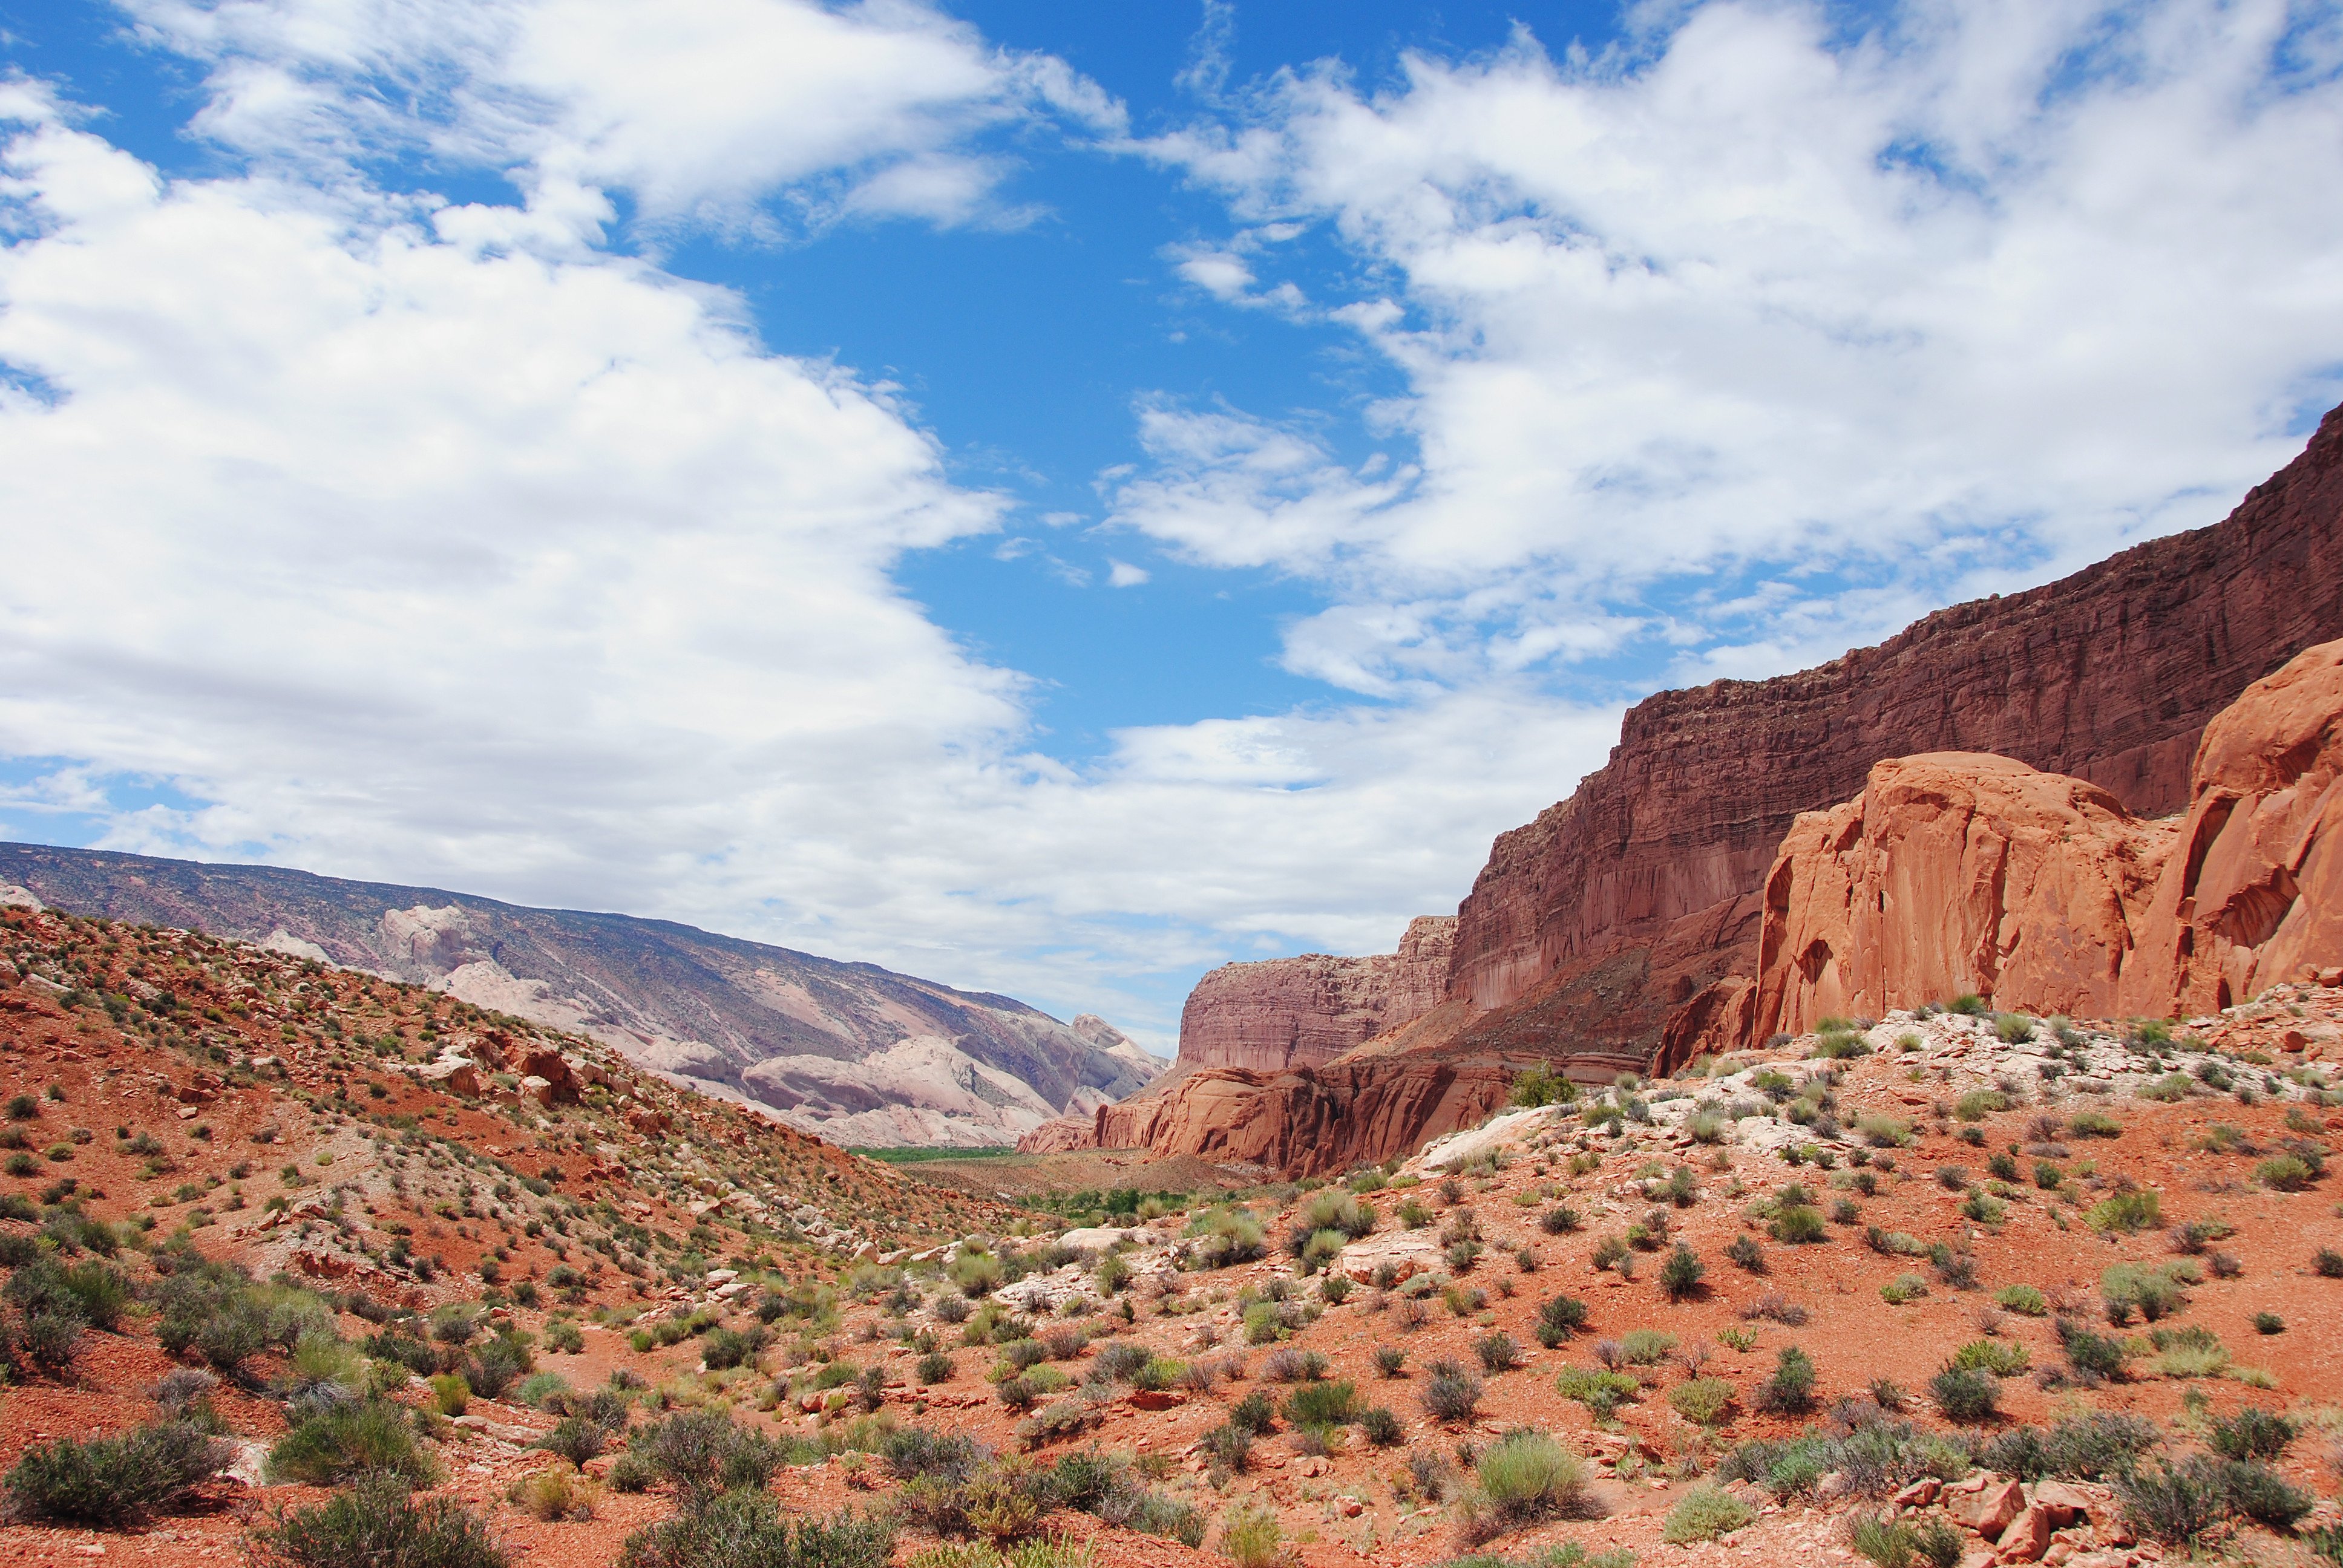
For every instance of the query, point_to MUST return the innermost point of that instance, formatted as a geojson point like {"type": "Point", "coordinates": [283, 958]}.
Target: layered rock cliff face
{"type": "Point", "coordinates": [1302, 1012]}
{"type": "Point", "coordinates": [1622, 925]}
{"type": "Point", "coordinates": [851, 1052]}
{"type": "Point", "coordinates": [1598, 927]}
{"type": "Point", "coordinates": [1957, 872]}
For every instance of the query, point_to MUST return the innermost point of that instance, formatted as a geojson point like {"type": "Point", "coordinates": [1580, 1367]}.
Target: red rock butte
{"type": "Point", "coordinates": [1621, 930]}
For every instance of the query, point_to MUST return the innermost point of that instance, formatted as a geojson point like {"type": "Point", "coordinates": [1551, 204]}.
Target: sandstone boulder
{"type": "Point", "coordinates": [1990, 1510]}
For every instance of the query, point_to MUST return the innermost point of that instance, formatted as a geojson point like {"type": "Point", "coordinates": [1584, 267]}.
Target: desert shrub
{"type": "Point", "coordinates": [2254, 1491]}
{"type": "Point", "coordinates": [976, 1271]}
{"type": "Point", "coordinates": [1558, 1319]}
{"type": "Point", "coordinates": [2191, 1351]}
{"type": "Point", "coordinates": [1284, 1365]}
{"type": "Point", "coordinates": [2127, 1213]}
{"type": "Point", "coordinates": [724, 1349]}
{"type": "Point", "coordinates": [1226, 1447]}
{"type": "Point", "coordinates": [748, 1530]}
{"type": "Point", "coordinates": [1702, 1400]}
{"type": "Point", "coordinates": [1527, 1475]}
{"type": "Point", "coordinates": [2268, 1323]}
{"type": "Point", "coordinates": [1253, 1413]}
{"type": "Point", "coordinates": [1226, 1237]}
{"type": "Point", "coordinates": [2153, 1293]}
{"type": "Point", "coordinates": [113, 1481]}
{"type": "Point", "coordinates": [2171, 1087]}
{"type": "Point", "coordinates": [1996, 1356]}
{"type": "Point", "coordinates": [2173, 1503]}
{"type": "Point", "coordinates": [2285, 1172]}
{"type": "Point", "coordinates": [702, 1452]}
{"type": "Point", "coordinates": [450, 1394]}
{"type": "Point", "coordinates": [342, 1441]}
{"type": "Point", "coordinates": [1449, 1393]}
{"type": "Point", "coordinates": [1791, 1390]}
{"type": "Point", "coordinates": [1680, 1276]}
{"type": "Point", "coordinates": [1389, 1359]}
{"type": "Point", "coordinates": [1744, 1252]}
{"type": "Point", "coordinates": [1381, 1426]}
{"type": "Point", "coordinates": [934, 1367]}
{"type": "Point", "coordinates": [2252, 1434]}
{"type": "Point", "coordinates": [914, 1451]}
{"type": "Point", "coordinates": [1979, 1103]}
{"type": "Point", "coordinates": [376, 1524]}
{"type": "Point", "coordinates": [1602, 1393]}
{"type": "Point", "coordinates": [2089, 1447]}
{"type": "Point", "coordinates": [2023, 1300]}
{"type": "Point", "coordinates": [1497, 1352]}
{"type": "Point", "coordinates": [2094, 1125]}
{"type": "Point", "coordinates": [1965, 1395]}
{"type": "Point", "coordinates": [1250, 1536]}
{"type": "Point", "coordinates": [575, 1439]}
{"type": "Point", "coordinates": [1558, 1221]}
{"type": "Point", "coordinates": [2092, 1355]}
{"type": "Point", "coordinates": [496, 1365]}
{"type": "Point", "coordinates": [1332, 1403]}
{"type": "Point", "coordinates": [1798, 1224]}
{"type": "Point", "coordinates": [1704, 1513]}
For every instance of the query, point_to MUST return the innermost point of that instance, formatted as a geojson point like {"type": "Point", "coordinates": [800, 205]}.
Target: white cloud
{"type": "Point", "coordinates": [1123, 574]}
{"type": "Point", "coordinates": [1975, 297]}
{"type": "Point", "coordinates": [408, 548]}
{"type": "Point", "coordinates": [701, 110]}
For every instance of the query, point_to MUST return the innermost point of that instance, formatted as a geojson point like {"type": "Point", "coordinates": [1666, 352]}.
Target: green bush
{"type": "Point", "coordinates": [1558, 1319]}
{"type": "Point", "coordinates": [1798, 1224]}
{"type": "Point", "coordinates": [2140, 1209]}
{"type": "Point", "coordinates": [1323, 1404]}
{"type": "Point", "coordinates": [2285, 1172]}
{"type": "Point", "coordinates": [934, 1367]}
{"type": "Point", "coordinates": [1999, 1357]}
{"type": "Point", "coordinates": [748, 1530]}
{"type": "Point", "coordinates": [702, 1452]}
{"type": "Point", "coordinates": [376, 1524]}
{"type": "Point", "coordinates": [2153, 1293]}
{"type": "Point", "coordinates": [1979, 1103]}
{"type": "Point", "coordinates": [2256, 1491]}
{"type": "Point", "coordinates": [1703, 1401]}
{"type": "Point", "coordinates": [1680, 1276]}
{"type": "Point", "coordinates": [2094, 1125]}
{"type": "Point", "coordinates": [576, 1438]}
{"type": "Point", "coordinates": [1965, 1395]}
{"type": "Point", "coordinates": [1449, 1393]}
{"type": "Point", "coordinates": [1791, 1390]}
{"type": "Point", "coordinates": [113, 1481]}
{"type": "Point", "coordinates": [2170, 1088]}
{"type": "Point", "coordinates": [2174, 1504]}
{"type": "Point", "coordinates": [343, 1441]}
{"type": "Point", "coordinates": [1704, 1513]}
{"type": "Point", "coordinates": [2089, 1447]}
{"type": "Point", "coordinates": [1602, 1393]}
{"type": "Point", "coordinates": [1527, 1475]}
{"type": "Point", "coordinates": [1253, 1414]}
{"type": "Point", "coordinates": [496, 1365]}
{"type": "Point", "coordinates": [1646, 1347]}
{"type": "Point", "coordinates": [1903, 1288]}
{"type": "Point", "coordinates": [1382, 1427]}
{"type": "Point", "coordinates": [2252, 1434]}
{"type": "Point", "coordinates": [450, 1393]}
{"type": "Point", "coordinates": [724, 1349]}
{"type": "Point", "coordinates": [2024, 1300]}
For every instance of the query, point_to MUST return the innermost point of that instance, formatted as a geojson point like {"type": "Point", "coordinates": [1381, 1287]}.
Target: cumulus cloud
{"type": "Point", "coordinates": [1973, 295]}
{"type": "Point", "coordinates": [443, 543]}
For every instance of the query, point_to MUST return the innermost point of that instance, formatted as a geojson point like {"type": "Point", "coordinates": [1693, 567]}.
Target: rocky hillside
{"type": "Point", "coordinates": [863, 1056]}
{"type": "Point", "coordinates": [1621, 926]}
{"type": "Point", "coordinates": [1946, 1287]}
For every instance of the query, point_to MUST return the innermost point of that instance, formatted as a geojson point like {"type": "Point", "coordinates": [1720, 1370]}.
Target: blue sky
{"type": "Point", "coordinates": [1055, 497]}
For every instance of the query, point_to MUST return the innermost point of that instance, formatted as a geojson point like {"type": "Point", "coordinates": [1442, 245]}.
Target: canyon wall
{"type": "Point", "coordinates": [1620, 928]}
{"type": "Point", "coordinates": [1609, 919]}
{"type": "Point", "coordinates": [1300, 1011]}
{"type": "Point", "coordinates": [1957, 872]}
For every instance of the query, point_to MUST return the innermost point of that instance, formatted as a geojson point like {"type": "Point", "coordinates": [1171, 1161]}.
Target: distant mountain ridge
{"type": "Point", "coordinates": [857, 1053]}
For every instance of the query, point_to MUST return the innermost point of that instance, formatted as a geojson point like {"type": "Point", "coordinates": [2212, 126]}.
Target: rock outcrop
{"type": "Point", "coordinates": [849, 1051]}
{"type": "Point", "coordinates": [2252, 891]}
{"type": "Point", "coordinates": [1954, 872]}
{"type": "Point", "coordinates": [1957, 872]}
{"type": "Point", "coordinates": [1622, 925]}
{"type": "Point", "coordinates": [1300, 1011]}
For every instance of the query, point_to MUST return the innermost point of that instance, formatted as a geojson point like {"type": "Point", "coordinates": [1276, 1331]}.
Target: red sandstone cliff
{"type": "Point", "coordinates": [1957, 872]}
{"type": "Point", "coordinates": [1598, 927]}
{"type": "Point", "coordinates": [1300, 1011]}
{"type": "Point", "coordinates": [1623, 924]}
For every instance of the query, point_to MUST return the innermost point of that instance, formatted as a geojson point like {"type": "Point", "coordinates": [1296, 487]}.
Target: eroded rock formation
{"type": "Point", "coordinates": [1302, 1012]}
{"type": "Point", "coordinates": [1622, 925]}
{"type": "Point", "coordinates": [1957, 872]}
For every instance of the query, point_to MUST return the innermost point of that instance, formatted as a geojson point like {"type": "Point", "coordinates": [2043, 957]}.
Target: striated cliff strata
{"type": "Point", "coordinates": [1622, 925]}
{"type": "Point", "coordinates": [1300, 1011]}
{"type": "Point", "coordinates": [1955, 872]}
